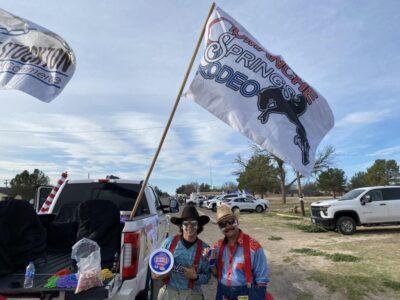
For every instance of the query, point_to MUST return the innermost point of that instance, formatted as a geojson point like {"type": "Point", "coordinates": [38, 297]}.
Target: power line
{"type": "Point", "coordinates": [97, 131]}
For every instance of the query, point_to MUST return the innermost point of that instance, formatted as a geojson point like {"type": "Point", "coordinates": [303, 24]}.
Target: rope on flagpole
{"type": "Point", "coordinates": [144, 184]}
{"type": "Point", "coordinates": [46, 205]}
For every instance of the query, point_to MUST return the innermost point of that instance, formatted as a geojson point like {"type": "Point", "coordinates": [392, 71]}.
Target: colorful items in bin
{"type": "Point", "coordinates": [67, 281]}
{"type": "Point", "coordinates": [88, 279]}
{"type": "Point", "coordinates": [51, 282]}
{"type": "Point", "coordinates": [161, 261]}
{"type": "Point", "coordinates": [62, 272]}
{"type": "Point", "coordinates": [106, 274]}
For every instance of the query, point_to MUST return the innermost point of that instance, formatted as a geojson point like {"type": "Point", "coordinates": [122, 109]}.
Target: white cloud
{"type": "Point", "coordinates": [386, 151]}
{"type": "Point", "coordinates": [116, 144]}
{"type": "Point", "coordinates": [364, 117]}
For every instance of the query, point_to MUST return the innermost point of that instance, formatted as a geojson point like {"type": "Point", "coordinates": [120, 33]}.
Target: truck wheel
{"type": "Point", "coordinates": [259, 208]}
{"type": "Point", "coordinates": [346, 225]}
{"type": "Point", "coordinates": [214, 207]}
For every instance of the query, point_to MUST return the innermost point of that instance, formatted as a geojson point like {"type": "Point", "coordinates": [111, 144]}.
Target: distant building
{"type": "Point", "coordinates": [5, 193]}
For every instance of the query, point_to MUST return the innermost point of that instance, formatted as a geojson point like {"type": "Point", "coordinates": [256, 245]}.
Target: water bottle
{"type": "Point", "coordinates": [29, 275]}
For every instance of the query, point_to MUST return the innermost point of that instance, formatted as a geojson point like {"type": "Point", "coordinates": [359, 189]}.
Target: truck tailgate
{"type": "Point", "coordinates": [12, 284]}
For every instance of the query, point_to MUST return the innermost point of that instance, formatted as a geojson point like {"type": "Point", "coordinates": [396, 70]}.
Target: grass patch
{"type": "Point", "coordinates": [288, 259]}
{"type": "Point", "coordinates": [308, 251]}
{"type": "Point", "coordinates": [304, 296]}
{"type": "Point", "coordinates": [307, 227]}
{"type": "Point", "coordinates": [394, 285]}
{"type": "Point", "coordinates": [355, 286]}
{"type": "Point", "coordinates": [336, 257]}
{"type": "Point", "coordinates": [275, 238]}
{"type": "Point", "coordinates": [342, 257]}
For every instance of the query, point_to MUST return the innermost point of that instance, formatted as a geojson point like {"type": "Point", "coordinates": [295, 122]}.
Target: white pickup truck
{"type": "Point", "coordinates": [138, 237]}
{"type": "Point", "coordinates": [369, 206]}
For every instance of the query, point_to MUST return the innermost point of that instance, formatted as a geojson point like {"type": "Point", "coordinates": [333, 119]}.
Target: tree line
{"type": "Point", "coordinates": [264, 173]}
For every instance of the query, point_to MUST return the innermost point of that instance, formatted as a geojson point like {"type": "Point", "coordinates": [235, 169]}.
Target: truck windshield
{"type": "Point", "coordinates": [122, 194]}
{"type": "Point", "coordinates": [352, 194]}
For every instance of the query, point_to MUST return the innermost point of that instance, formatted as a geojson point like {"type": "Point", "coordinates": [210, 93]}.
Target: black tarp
{"type": "Point", "coordinates": [99, 220]}
{"type": "Point", "coordinates": [22, 236]}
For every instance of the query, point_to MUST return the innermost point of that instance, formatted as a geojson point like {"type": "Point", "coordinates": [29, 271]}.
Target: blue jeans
{"type": "Point", "coordinates": [232, 292]}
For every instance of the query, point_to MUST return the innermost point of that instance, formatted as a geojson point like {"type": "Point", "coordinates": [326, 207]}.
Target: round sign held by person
{"type": "Point", "coordinates": [161, 261]}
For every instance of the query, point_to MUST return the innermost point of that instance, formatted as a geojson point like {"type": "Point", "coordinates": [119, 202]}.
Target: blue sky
{"type": "Point", "coordinates": [131, 59]}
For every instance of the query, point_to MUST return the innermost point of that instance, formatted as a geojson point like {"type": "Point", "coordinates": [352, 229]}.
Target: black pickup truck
{"type": "Point", "coordinates": [95, 209]}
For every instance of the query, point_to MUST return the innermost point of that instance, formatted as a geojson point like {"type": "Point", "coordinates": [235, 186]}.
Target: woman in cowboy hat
{"type": "Point", "coordinates": [191, 268]}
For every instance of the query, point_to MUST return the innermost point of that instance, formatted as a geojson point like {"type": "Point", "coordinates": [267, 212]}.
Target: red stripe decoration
{"type": "Point", "coordinates": [51, 196]}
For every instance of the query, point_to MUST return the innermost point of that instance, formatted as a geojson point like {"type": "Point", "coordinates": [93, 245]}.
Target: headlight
{"type": "Point", "coordinates": [324, 209]}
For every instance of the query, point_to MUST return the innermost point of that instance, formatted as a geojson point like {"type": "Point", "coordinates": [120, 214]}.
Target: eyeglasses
{"type": "Point", "coordinates": [231, 222]}
{"type": "Point", "coordinates": [188, 223]}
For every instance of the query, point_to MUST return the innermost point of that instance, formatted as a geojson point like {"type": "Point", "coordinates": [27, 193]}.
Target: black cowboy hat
{"type": "Point", "coordinates": [190, 213]}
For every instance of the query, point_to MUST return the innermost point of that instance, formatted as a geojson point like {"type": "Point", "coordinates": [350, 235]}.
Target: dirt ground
{"type": "Point", "coordinates": [320, 265]}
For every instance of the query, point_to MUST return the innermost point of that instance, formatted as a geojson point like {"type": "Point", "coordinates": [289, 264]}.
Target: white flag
{"type": "Point", "coordinates": [259, 95]}
{"type": "Point", "coordinates": [32, 58]}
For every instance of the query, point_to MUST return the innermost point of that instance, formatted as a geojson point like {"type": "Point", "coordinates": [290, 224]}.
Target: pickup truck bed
{"type": "Point", "coordinates": [12, 284]}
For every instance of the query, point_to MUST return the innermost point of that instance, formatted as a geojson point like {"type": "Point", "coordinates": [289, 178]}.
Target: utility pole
{"type": "Point", "coordinates": [6, 182]}
{"type": "Point", "coordinates": [211, 183]}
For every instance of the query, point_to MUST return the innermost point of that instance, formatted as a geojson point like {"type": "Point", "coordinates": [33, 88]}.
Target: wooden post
{"type": "Point", "coordinates": [300, 194]}
{"type": "Point", "coordinates": [178, 97]}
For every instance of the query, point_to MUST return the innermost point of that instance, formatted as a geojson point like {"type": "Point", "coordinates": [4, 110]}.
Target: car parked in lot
{"type": "Point", "coordinates": [248, 204]}
{"type": "Point", "coordinates": [368, 206]}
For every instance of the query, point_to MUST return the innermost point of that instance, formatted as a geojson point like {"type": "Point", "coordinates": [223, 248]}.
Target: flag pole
{"type": "Point", "coordinates": [144, 184]}
{"type": "Point", "coordinates": [300, 194]}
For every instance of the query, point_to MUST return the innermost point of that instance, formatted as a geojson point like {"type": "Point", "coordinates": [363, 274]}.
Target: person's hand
{"type": "Point", "coordinates": [206, 251]}
{"type": "Point", "coordinates": [158, 277]}
{"type": "Point", "coordinates": [190, 273]}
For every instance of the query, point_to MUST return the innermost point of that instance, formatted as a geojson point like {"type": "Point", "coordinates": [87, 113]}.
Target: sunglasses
{"type": "Point", "coordinates": [189, 223]}
{"type": "Point", "coordinates": [226, 223]}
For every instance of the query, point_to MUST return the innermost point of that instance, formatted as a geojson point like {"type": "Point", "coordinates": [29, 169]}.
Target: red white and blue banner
{"type": "Point", "coordinates": [33, 59]}
{"type": "Point", "coordinates": [259, 95]}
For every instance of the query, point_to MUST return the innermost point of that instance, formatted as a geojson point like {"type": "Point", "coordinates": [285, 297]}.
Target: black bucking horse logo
{"type": "Point", "coordinates": [271, 101]}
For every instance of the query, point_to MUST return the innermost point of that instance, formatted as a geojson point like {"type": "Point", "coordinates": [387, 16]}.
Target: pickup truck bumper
{"type": "Point", "coordinates": [330, 223]}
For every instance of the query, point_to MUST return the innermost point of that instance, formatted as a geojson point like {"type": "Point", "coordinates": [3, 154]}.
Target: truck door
{"type": "Point", "coordinates": [163, 228]}
{"type": "Point", "coordinates": [392, 197]}
{"type": "Point", "coordinates": [375, 211]}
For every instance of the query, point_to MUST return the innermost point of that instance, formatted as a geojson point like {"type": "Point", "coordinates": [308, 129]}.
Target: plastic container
{"type": "Point", "coordinates": [29, 276]}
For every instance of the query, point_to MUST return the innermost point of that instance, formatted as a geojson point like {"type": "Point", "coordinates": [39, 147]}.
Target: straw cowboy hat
{"type": "Point", "coordinates": [225, 212]}
{"type": "Point", "coordinates": [190, 213]}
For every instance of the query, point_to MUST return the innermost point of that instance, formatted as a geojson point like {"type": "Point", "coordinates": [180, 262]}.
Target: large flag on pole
{"type": "Point", "coordinates": [259, 95]}
{"type": "Point", "coordinates": [32, 58]}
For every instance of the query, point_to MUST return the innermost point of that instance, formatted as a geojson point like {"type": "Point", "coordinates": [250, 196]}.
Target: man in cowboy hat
{"type": "Point", "coordinates": [191, 268]}
{"type": "Point", "coordinates": [241, 265]}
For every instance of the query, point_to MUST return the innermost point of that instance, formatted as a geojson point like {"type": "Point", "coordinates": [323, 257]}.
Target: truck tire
{"type": "Point", "coordinates": [214, 207]}
{"type": "Point", "coordinates": [259, 209]}
{"type": "Point", "coordinates": [346, 225]}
